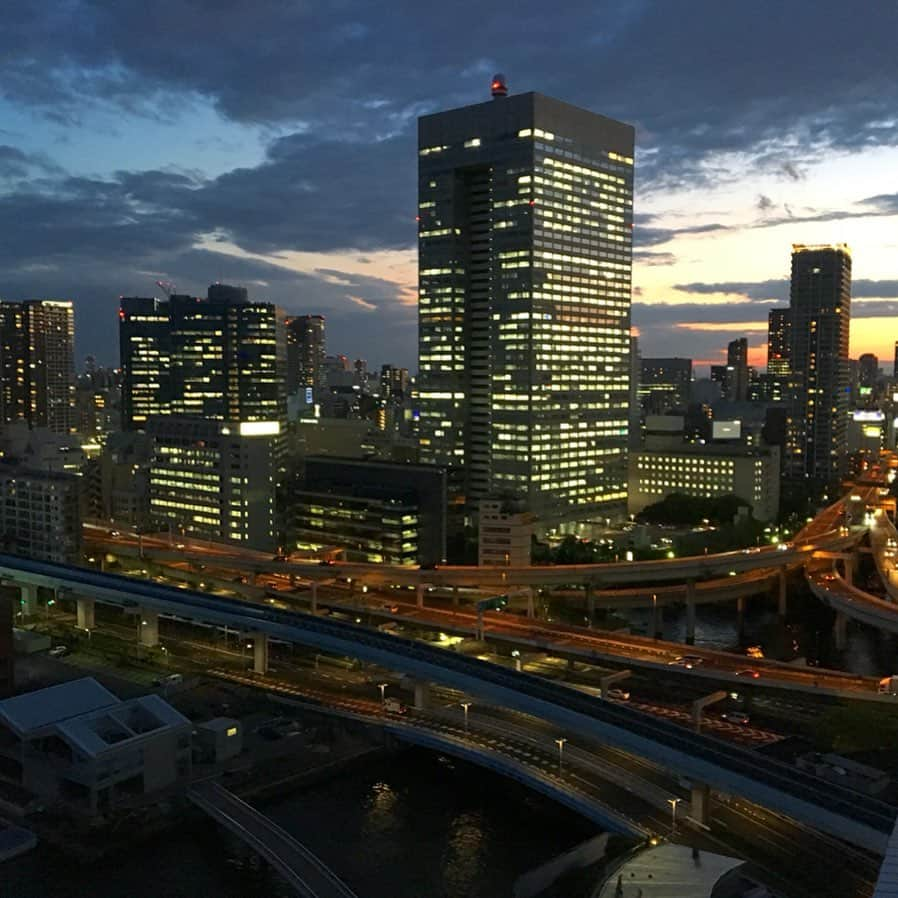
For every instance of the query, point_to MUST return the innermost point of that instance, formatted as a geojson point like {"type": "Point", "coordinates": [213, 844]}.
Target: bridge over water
{"type": "Point", "coordinates": [300, 868]}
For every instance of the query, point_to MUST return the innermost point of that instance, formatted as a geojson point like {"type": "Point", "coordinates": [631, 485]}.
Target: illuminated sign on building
{"type": "Point", "coordinates": [260, 428]}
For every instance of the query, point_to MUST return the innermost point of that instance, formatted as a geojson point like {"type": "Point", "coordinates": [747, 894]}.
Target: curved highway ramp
{"type": "Point", "coordinates": [302, 870]}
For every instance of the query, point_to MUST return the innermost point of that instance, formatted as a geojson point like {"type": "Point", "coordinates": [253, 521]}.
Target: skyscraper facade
{"type": "Point", "coordinates": [736, 386]}
{"type": "Point", "coordinates": [664, 384]}
{"type": "Point", "coordinates": [222, 358]}
{"type": "Point", "coordinates": [868, 370]}
{"type": "Point", "coordinates": [820, 308]}
{"type": "Point", "coordinates": [306, 350]}
{"type": "Point", "coordinates": [37, 364]}
{"type": "Point", "coordinates": [145, 353]}
{"type": "Point", "coordinates": [525, 220]}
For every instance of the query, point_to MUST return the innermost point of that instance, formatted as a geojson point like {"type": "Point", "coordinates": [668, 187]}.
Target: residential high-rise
{"type": "Point", "coordinates": [525, 230]}
{"type": "Point", "coordinates": [37, 364]}
{"type": "Point", "coordinates": [305, 355]}
{"type": "Point", "coordinates": [778, 334]}
{"type": "Point", "coordinates": [820, 315]}
{"type": "Point", "coordinates": [222, 358]}
{"type": "Point", "coordinates": [895, 362]}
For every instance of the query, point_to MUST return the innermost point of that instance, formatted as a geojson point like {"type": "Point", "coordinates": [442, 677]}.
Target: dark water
{"type": "Point", "coordinates": [408, 826]}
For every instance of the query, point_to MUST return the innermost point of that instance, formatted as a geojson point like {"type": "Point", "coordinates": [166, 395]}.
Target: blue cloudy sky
{"type": "Point", "coordinates": [272, 143]}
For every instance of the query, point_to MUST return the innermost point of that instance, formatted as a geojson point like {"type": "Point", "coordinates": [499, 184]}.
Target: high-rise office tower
{"type": "Point", "coordinates": [868, 370]}
{"type": "Point", "coordinates": [37, 363]}
{"type": "Point", "coordinates": [525, 219]}
{"type": "Point", "coordinates": [820, 314]}
{"type": "Point", "coordinates": [305, 354]}
{"type": "Point", "coordinates": [222, 358]}
{"type": "Point", "coordinates": [145, 352]}
{"type": "Point", "coordinates": [736, 386]}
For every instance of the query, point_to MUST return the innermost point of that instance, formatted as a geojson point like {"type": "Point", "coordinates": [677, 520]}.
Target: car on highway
{"type": "Point", "coordinates": [619, 695]}
{"type": "Point", "coordinates": [326, 562]}
{"type": "Point", "coordinates": [114, 533]}
{"type": "Point", "coordinates": [391, 607]}
{"type": "Point", "coordinates": [58, 651]}
{"type": "Point", "coordinates": [687, 661]}
{"type": "Point", "coordinates": [752, 550]}
{"type": "Point", "coordinates": [748, 672]}
{"type": "Point", "coordinates": [739, 717]}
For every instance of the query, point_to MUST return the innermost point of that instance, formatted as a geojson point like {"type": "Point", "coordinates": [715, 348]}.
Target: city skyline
{"type": "Point", "coordinates": [124, 163]}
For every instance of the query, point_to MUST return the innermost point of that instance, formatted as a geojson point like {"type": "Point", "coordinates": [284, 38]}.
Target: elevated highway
{"type": "Point", "coordinates": [726, 768]}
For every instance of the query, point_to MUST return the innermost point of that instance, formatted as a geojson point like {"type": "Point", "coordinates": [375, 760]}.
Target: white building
{"type": "Point", "coordinates": [505, 537]}
{"type": "Point", "coordinates": [751, 473]}
{"type": "Point", "coordinates": [78, 743]}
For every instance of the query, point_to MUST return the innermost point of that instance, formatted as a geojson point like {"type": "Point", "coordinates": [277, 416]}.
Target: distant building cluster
{"type": "Point", "coordinates": [532, 410]}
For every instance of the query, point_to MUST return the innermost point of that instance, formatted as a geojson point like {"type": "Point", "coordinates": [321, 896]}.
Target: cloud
{"type": "Point", "coordinates": [778, 290]}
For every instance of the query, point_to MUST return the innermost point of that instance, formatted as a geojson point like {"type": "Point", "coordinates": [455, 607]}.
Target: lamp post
{"type": "Point", "coordinates": [517, 660]}
{"type": "Point", "coordinates": [560, 743]}
{"type": "Point", "coordinates": [383, 699]}
{"type": "Point", "coordinates": [673, 802]}
{"type": "Point", "coordinates": [466, 705]}
{"type": "Point", "coordinates": [654, 616]}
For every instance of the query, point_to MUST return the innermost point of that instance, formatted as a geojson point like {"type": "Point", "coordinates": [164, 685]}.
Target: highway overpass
{"type": "Point", "coordinates": [857, 818]}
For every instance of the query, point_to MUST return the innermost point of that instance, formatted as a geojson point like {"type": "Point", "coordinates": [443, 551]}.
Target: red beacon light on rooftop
{"type": "Point", "coordinates": [499, 86]}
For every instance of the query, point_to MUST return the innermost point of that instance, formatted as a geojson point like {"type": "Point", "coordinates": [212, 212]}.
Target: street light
{"type": "Point", "coordinates": [383, 700]}
{"type": "Point", "coordinates": [466, 705]}
{"type": "Point", "coordinates": [517, 660]}
{"type": "Point", "coordinates": [560, 743]}
{"type": "Point", "coordinates": [673, 802]}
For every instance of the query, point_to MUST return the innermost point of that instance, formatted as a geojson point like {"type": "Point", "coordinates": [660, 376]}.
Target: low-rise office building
{"type": "Point", "coordinates": [79, 744]}
{"type": "Point", "coordinates": [750, 472]}
{"type": "Point", "coordinates": [383, 512]}
{"type": "Point", "coordinates": [215, 479]}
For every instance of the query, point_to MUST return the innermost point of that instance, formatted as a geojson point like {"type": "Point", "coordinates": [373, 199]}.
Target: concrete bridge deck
{"type": "Point", "coordinates": [300, 868]}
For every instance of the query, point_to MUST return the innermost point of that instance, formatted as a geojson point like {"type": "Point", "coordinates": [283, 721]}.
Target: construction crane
{"type": "Point", "coordinates": [167, 288]}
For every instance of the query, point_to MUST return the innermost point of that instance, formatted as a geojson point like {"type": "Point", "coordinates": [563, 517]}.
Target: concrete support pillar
{"type": "Point", "coordinates": [260, 653]}
{"type": "Point", "coordinates": [657, 624]}
{"type": "Point", "coordinates": [28, 605]}
{"type": "Point", "coordinates": [422, 695]}
{"type": "Point", "coordinates": [85, 616]}
{"type": "Point", "coordinates": [740, 616]}
{"type": "Point", "coordinates": [590, 604]}
{"type": "Point", "coordinates": [149, 628]}
{"type": "Point", "coordinates": [849, 563]}
{"type": "Point", "coordinates": [455, 596]}
{"type": "Point", "coordinates": [840, 632]}
{"type": "Point", "coordinates": [690, 612]}
{"type": "Point", "coordinates": [314, 595]}
{"type": "Point", "coordinates": [781, 596]}
{"type": "Point", "coordinates": [531, 606]}
{"type": "Point", "coordinates": [701, 803]}
{"type": "Point", "coordinates": [419, 595]}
